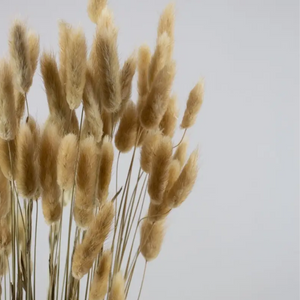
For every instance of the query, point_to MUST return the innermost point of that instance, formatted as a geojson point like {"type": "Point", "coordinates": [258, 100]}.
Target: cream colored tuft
{"type": "Point", "coordinates": [118, 287]}
{"type": "Point", "coordinates": [169, 120]}
{"type": "Point", "coordinates": [95, 8]}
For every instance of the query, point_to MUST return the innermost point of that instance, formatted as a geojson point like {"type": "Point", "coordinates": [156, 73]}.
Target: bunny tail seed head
{"type": "Point", "coordinates": [76, 67]}
{"type": "Point", "coordinates": [34, 50]}
{"type": "Point", "coordinates": [4, 196]}
{"type": "Point", "coordinates": [126, 135]}
{"type": "Point", "coordinates": [107, 122]}
{"type": "Point", "coordinates": [20, 56]}
{"type": "Point", "coordinates": [169, 120]}
{"type": "Point", "coordinates": [105, 168]}
{"type": "Point", "coordinates": [27, 176]}
{"type": "Point", "coordinates": [86, 252]}
{"type": "Point", "coordinates": [144, 58]}
{"type": "Point", "coordinates": [152, 235]}
{"type": "Point", "coordinates": [8, 170]}
{"type": "Point", "coordinates": [181, 151]}
{"type": "Point", "coordinates": [19, 105]}
{"type": "Point", "coordinates": [193, 105]}
{"type": "Point", "coordinates": [51, 205]}
{"type": "Point", "coordinates": [185, 182]}
{"type": "Point", "coordinates": [8, 121]}
{"type": "Point", "coordinates": [95, 8]}
{"type": "Point", "coordinates": [83, 216]}
{"type": "Point", "coordinates": [99, 284]}
{"type": "Point", "coordinates": [158, 178]}
{"type": "Point", "coordinates": [66, 161]}
{"type": "Point", "coordinates": [157, 100]}
{"type": "Point", "coordinates": [118, 287]}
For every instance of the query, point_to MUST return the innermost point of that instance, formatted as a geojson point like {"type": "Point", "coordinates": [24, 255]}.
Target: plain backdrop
{"type": "Point", "coordinates": [237, 236]}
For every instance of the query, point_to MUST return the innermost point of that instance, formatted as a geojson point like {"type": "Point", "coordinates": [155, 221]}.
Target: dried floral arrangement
{"type": "Point", "coordinates": [68, 164]}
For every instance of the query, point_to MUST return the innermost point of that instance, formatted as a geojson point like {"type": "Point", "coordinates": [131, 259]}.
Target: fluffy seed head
{"type": "Point", "coordinates": [107, 122]}
{"type": "Point", "coordinates": [7, 168]}
{"type": "Point", "coordinates": [20, 56]}
{"type": "Point", "coordinates": [51, 205]}
{"type": "Point", "coordinates": [144, 58]}
{"type": "Point", "coordinates": [158, 178]}
{"type": "Point", "coordinates": [193, 105]}
{"type": "Point", "coordinates": [83, 216]}
{"type": "Point", "coordinates": [19, 99]}
{"type": "Point", "coordinates": [95, 8]}
{"type": "Point", "coordinates": [169, 120]}
{"type": "Point", "coordinates": [34, 50]}
{"type": "Point", "coordinates": [181, 150]}
{"type": "Point", "coordinates": [4, 196]}
{"type": "Point", "coordinates": [86, 252]}
{"type": "Point", "coordinates": [152, 235]}
{"type": "Point", "coordinates": [125, 137]}
{"type": "Point", "coordinates": [5, 235]}
{"type": "Point", "coordinates": [185, 182]}
{"type": "Point", "coordinates": [118, 287]}
{"type": "Point", "coordinates": [66, 161]}
{"type": "Point", "coordinates": [8, 121]}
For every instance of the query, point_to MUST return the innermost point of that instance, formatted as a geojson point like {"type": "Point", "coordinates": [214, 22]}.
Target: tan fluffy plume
{"type": "Point", "coordinates": [34, 50]}
{"type": "Point", "coordinates": [118, 287]}
{"type": "Point", "coordinates": [169, 120]}
{"type": "Point", "coordinates": [144, 58]}
{"type": "Point", "coordinates": [181, 151]}
{"type": "Point", "coordinates": [95, 8]}
{"type": "Point", "coordinates": [8, 154]}
{"type": "Point", "coordinates": [4, 196]}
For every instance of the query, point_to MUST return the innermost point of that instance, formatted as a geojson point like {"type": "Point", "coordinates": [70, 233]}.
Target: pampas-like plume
{"type": "Point", "coordinates": [180, 153]}
{"type": "Point", "coordinates": [4, 196]}
{"type": "Point", "coordinates": [7, 165]}
{"type": "Point", "coordinates": [83, 216]}
{"type": "Point", "coordinates": [152, 235]}
{"type": "Point", "coordinates": [118, 287]}
{"type": "Point", "coordinates": [95, 8]}
{"type": "Point", "coordinates": [8, 121]}
{"type": "Point", "coordinates": [144, 58]}
{"type": "Point", "coordinates": [160, 57]}
{"type": "Point", "coordinates": [66, 161]}
{"type": "Point", "coordinates": [34, 50]}
{"type": "Point", "coordinates": [107, 122]}
{"type": "Point", "coordinates": [100, 281]}
{"type": "Point", "coordinates": [157, 100]}
{"type": "Point", "coordinates": [126, 135]}
{"type": "Point", "coordinates": [158, 178]}
{"type": "Point", "coordinates": [105, 168]}
{"type": "Point", "coordinates": [169, 120]}
{"type": "Point", "coordinates": [107, 62]}
{"type": "Point", "coordinates": [193, 105]}
{"type": "Point", "coordinates": [20, 56]}
{"type": "Point", "coordinates": [19, 105]}
{"type": "Point", "coordinates": [76, 67]}
{"type": "Point", "coordinates": [27, 177]}
{"type": "Point", "coordinates": [185, 182]}
{"type": "Point", "coordinates": [148, 149]}
{"type": "Point", "coordinates": [51, 204]}
{"type": "Point", "coordinates": [86, 252]}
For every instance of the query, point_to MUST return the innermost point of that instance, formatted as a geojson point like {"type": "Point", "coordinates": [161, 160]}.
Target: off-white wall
{"type": "Point", "coordinates": [237, 236]}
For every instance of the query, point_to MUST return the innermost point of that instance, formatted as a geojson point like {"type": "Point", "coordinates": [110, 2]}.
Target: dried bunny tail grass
{"type": "Point", "coordinates": [144, 58]}
{"type": "Point", "coordinates": [51, 205]}
{"type": "Point", "coordinates": [83, 216]}
{"type": "Point", "coordinates": [76, 66]}
{"type": "Point", "coordinates": [168, 123]}
{"type": "Point", "coordinates": [193, 105]}
{"type": "Point", "coordinates": [4, 196]}
{"type": "Point", "coordinates": [8, 169]}
{"type": "Point", "coordinates": [86, 174]}
{"type": "Point", "coordinates": [20, 56]}
{"type": "Point", "coordinates": [107, 123]}
{"type": "Point", "coordinates": [19, 99]}
{"type": "Point", "coordinates": [34, 50]}
{"type": "Point", "coordinates": [93, 125]}
{"type": "Point", "coordinates": [148, 149]}
{"type": "Point", "coordinates": [117, 291]}
{"type": "Point", "coordinates": [185, 182]}
{"type": "Point", "coordinates": [157, 100]}
{"type": "Point", "coordinates": [95, 8]}
{"type": "Point", "coordinates": [107, 62]}
{"type": "Point", "coordinates": [181, 151]}
{"type": "Point", "coordinates": [160, 57]}
{"type": "Point", "coordinates": [126, 135]}
{"type": "Point", "coordinates": [99, 284]}
{"type": "Point", "coordinates": [86, 252]}
{"type": "Point", "coordinates": [152, 235]}
{"type": "Point", "coordinates": [5, 234]}
{"type": "Point", "coordinates": [64, 35]}
{"type": "Point", "coordinates": [158, 178]}
{"type": "Point", "coordinates": [27, 177]}
{"type": "Point", "coordinates": [105, 169]}
{"type": "Point", "coordinates": [8, 121]}
{"type": "Point", "coordinates": [66, 161]}
{"type": "Point", "coordinates": [166, 24]}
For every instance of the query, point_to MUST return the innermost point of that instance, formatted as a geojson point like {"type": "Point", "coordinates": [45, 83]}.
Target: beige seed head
{"type": "Point", "coordinates": [51, 205]}
{"type": "Point", "coordinates": [86, 252]}
{"type": "Point", "coordinates": [83, 217]}
{"type": "Point", "coordinates": [118, 287]}
{"type": "Point", "coordinates": [7, 168]}
{"type": "Point", "coordinates": [144, 58]}
{"type": "Point", "coordinates": [126, 135]}
{"type": "Point", "coordinates": [19, 99]}
{"type": "Point", "coordinates": [193, 105]}
{"type": "Point", "coordinates": [168, 123]}
{"type": "Point", "coordinates": [5, 234]}
{"type": "Point", "coordinates": [157, 100]}
{"type": "Point", "coordinates": [27, 176]}
{"type": "Point", "coordinates": [20, 56]}
{"type": "Point", "coordinates": [181, 151]}
{"type": "Point", "coordinates": [66, 161]}
{"type": "Point", "coordinates": [152, 235]}
{"type": "Point", "coordinates": [185, 182]}
{"type": "Point", "coordinates": [148, 149]}
{"type": "Point", "coordinates": [4, 196]}
{"type": "Point", "coordinates": [76, 66]}
{"type": "Point", "coordinates": [160, 165]}
{"type": "Point", "coordinates": [105, 168]}
{"type": "Point", "coordinates": [8, 121]}
{"type": "Point", "coordinates": [34, 50]}
{"type": "Point", "coordinates": [99, 284]}
{"type": "Point", "coordinates": [95, 8]}
{"type": "Point", "coordinates": [107, 122]}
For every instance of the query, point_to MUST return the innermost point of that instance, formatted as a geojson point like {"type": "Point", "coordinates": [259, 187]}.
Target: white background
{"type": "Point", "coordinates": [236, 237]}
